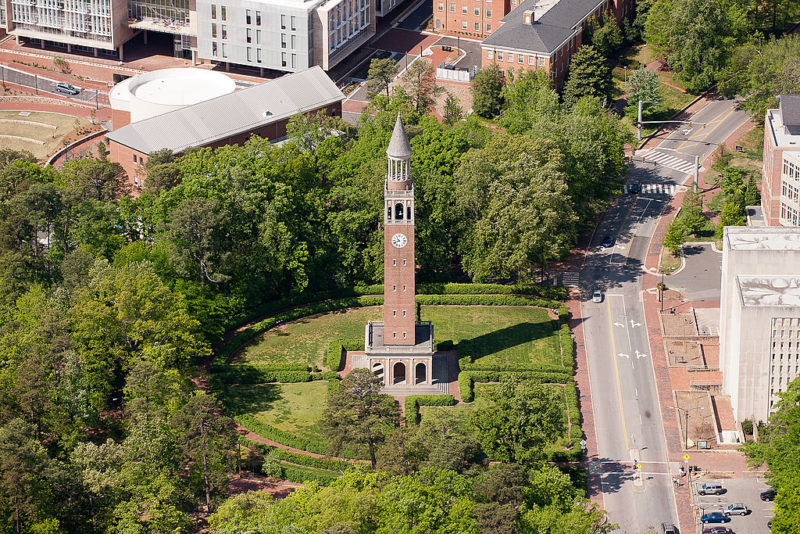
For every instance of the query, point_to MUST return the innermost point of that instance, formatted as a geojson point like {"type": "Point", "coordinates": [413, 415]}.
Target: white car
{"type": "Point", "coordinates": [597, 296]}
{"type": "Point", "coordinates": [737, 508]}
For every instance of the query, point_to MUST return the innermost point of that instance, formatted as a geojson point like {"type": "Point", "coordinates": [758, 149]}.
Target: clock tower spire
{"type": "Point", "coordinates": [399, 309]}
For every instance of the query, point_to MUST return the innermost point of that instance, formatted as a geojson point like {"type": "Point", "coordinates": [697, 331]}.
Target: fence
{"type": "Point", "coordinates": [453, 74]}
{"type": "Point", "coordinates": [40, 84]}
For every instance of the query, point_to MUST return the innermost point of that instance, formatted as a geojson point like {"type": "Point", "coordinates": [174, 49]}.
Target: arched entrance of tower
{"type": "Point", "coordinates": [421, 373]}
{"type": "Point", "coordinates": [377, 370]}
{"type": "Point", "coordinates": [399, 373]}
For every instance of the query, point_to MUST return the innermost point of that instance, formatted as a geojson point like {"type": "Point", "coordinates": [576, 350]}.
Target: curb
{"type": "Point", "coordinates": [72, 145]}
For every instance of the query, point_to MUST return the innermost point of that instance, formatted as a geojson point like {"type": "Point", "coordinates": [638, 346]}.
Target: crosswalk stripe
{"type": "Point", "coordinates": [670, 161]}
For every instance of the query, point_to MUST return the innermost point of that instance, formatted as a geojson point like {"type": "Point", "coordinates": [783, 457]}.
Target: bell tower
{"type": "Point", "coordinates": [399, 309]}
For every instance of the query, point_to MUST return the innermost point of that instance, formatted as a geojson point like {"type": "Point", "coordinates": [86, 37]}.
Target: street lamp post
{"type": "Point", "coordinates": [639, 122]}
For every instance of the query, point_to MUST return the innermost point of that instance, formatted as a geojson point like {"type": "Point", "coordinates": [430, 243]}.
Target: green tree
{"type": "Point", "coordinates": [242, 513]}
{"type": "Point", "coordinates": [692, 216]}
{"type": "Point", "coordinates": [675, 236]}
{"type": "Point", "coordinates": [589, 75]}
{"type": "Point", "coordinates": [529, 98]}
{"type": "Point", "coordinates": [517, 420]}
{"type": "Point", "coordinates": [642, 85]}
{"type": "Point", "coordinates": [732, 215]}
{"type": "Point", "coordinates": [779, 447]}
{"type": "Point", "coordinates": [381, 75]}
{"type": "Point", "coordinates": [607, 37]}
{"type": "Point", "coordinates": [487, 87]}
{"type": "Point", "coordinates": [752, 196]}
{"type": "Point", "coordinates": [420, 82]}
{"type": "Point", "coordinates": [452, 110]}
{"type": "Point", "coordinates": [207, 441]}
{"type": "Point", "coordinates": [162, 171]}
{"type": "Point", "coordinates": [358, 413]}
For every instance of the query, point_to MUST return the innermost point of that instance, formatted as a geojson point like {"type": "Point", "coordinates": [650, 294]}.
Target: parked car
{"type": "Point", "coordinates": [608, 241]}
{"type": "Point", "coordinates": [710, 488]}
{"type": "Point", "coordinates": [768, 495]}
{"type": "Point", "coordinates": [634, 188]}
{"type": "Point", "coordinates": [668, 528]}
{"type": "Point", "coordinates": [66, 88]}
{"type": "Point", "coordinates": [597, 296]}
{"type": "Point", "coordinates": [717, 530]}
{"type": "Point", "coordinates": [736, 509]}
{"type": "Point", "coordinates": [714, 517]}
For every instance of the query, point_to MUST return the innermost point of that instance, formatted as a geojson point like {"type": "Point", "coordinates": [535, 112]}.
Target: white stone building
{"type": "Point", "coordinates": [759, 317]}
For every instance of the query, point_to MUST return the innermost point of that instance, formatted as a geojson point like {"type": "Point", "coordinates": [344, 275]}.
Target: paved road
{"type": "Point", "coordinates": [46, 85]}
{"type": "Point", "coordinates": [628, 418]}
{"type": "Point", "coordinates": [701, 276]}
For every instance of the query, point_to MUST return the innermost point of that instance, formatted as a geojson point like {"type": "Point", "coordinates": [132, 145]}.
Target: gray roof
{"type": "Point", "coordinates": [790, 112]}
{"type": "Point", "coordinates": [547, 33]}
{"type": "Point", "coordinates": [232, 114]}
{"type": "Point", "coordinates": [398, 144]}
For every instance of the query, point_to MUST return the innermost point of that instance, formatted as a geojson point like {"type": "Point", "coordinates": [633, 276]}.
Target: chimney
{"type": "Point", "coordinates": [528, 16]}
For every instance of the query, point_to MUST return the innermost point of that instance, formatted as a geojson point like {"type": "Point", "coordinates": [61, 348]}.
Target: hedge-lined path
{"type": "Point", "coordinates": [275, 486]}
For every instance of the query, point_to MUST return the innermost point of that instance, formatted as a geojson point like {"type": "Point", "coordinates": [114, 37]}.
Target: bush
{"type": "Point", "coordinates": [519, 368]}
{"type": "Point", "coordinates": [747, 427]}
{"type": "Point", "coordinates": [272, 467]}
{"type": "Point", "coordinates": [296, 473]}
{"type": "Point", "coordinates": [280, 436]}
{"type": "Point", "coordinates": [548, 292]}
{"type": "Point", "coordinates": [335, 351]}
{"type": "Point", "coordinates": [259, 374]}
{"type": "Point", "coordinates": [466, 386]}
{"type": "Point", "coordinates": [413, 402]}
{"type": "Point", "coordinates": [467, 379]}
{"type": "Point", "coordinates": [486, 300]}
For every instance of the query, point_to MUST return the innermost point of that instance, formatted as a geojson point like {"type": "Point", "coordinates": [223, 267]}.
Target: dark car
{"type": "Point", "coordinates": [634, 188]}
{"type": "Point", "coordinates": [717, 530]}
{"type": "Point", "coordinates": [608, 241]}
{"type": "Point", "coordinates": [715, 517]}
{"type": "Point", "coordinates": [768, 495]}
{"type": "Point", "coordinates": [64, 87]}
{"type": "Point", "coordinates": [668, 528]}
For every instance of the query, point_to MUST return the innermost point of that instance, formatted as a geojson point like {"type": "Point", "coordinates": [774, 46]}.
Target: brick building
{"type": "Point", "coordinates": [780, 184]}
{"type": "Point", "coordinates": [262, 110]}
{"type": "Point", "coordinates": [544, 34]}
{"type": "Point", "coordinates": [470, 18]}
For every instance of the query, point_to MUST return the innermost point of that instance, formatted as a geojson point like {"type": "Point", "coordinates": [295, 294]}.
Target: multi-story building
{"type": "Point", "coordinates": [470, 18]}
{"type": "Point", "coordinates": [759, 317]}
{"type": "Point", "coordinates": [283, 35]}
{"type": "Point", "coordinates": [780, 184]}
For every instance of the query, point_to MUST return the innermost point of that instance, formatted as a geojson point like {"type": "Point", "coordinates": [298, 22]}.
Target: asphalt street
{"type": "Point", "coordinates": [46, 85]}
{"type": "Point", "coordinates": [628, 418]}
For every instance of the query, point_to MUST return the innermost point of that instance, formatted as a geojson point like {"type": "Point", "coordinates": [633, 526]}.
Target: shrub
{"type": "Point", "coordinates": [335, 351]}
{"type": "Point", "coordinates": [259, 374]}
{"type": "Point", "coordinates": [413, 402]}
{"type": "Point", "coordinates": [548, 292]}
{"type": "Point", "coordinates": [299, 474]}
{"type": "Point", "coordinates": [281, 436]}
{"type": "Point", "coordinates": [487, 300]}
{"type": "Point", "coordinates": [467, 379]}
{"type": "Point", "coordinates": [333, 385]}
{"type": "Point", "coordinates": [272, 467]}
{"type": "Point", "coordinates": [466, 386]}
{"type": "Point", "coordinates": [747, 427]}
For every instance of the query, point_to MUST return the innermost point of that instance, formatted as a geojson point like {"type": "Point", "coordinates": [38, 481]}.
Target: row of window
{"type": "Point", "coordinates": [394, 263]}
{"type": "Point", "coordinates": [394, 288]}
{"type": "Point", "coordinates": [248, 17]}
{"type": "Point", "coordinates": [789, 191]}
{"type": "Point", "coordinates": [287, 60]}
{"type": "Point", "coordinates": [394, 313]}
{"type": "Point", "coordinates": [394, 335]}
{"type": "Point", "coordinates": [475, 10]}
{"type": "Point", "coordinates": [534, 61]}
{"type": "Point", "coordinates": [789, 214]}
{"type": "Point", "coordinates": [476, 26]}
{"type": "Point", "coordinates": [791, 170]}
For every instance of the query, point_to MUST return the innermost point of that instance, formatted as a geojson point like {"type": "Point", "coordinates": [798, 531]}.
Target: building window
{"type": "Point", "coordinates": [214, 49]}
{"type": "Point", "coordinates": [294, 43]}
{"type": "Point", "coordinates": [294, 22]}
{"type": "Point", "coordinates": [135, 159]}
{"type": "Point", "coordinates": [249, 54]}
{"type": "Point", "coordinates": [499, 56]}
{"type": "Point", "coordinates": [488, 28]}
{"type": "Point", "coordinates": [438, 24]}
{"type": "Point", "coordinates": [258, 36]}
{"type": "Point", "coordinates": [223, 13]}
{"type": "Point", "coordinates": [213, 30]}
{"type": "Point", "coordinates": [463, 10]}
{"type": "Point", "coordinates": [394, 262]}
{"type": "Point", "coordinates": [440, 6]}
{"type": "Point", "coordinates": [477, 11]}
{"type": "Point", "coordinates": [258, 18]}
{"type": "Point", "coordinates": [213, 11]}
{"type": "Point", "coordinates": [404, 287]}
{"type": "Point", "coordinates": [404, 313]}
{"type": "Point", "coordinates": [488, 13]}
{"type": "Point", "coordinates": [394, 288]}
{"type": "Point", "coordinates": [258, 55]}
{"type": "Point", "coordinates": [404, 335]}
{"type": "Point", "coordinates": [394, 313]}
{"type": "Point", "coordinates": [463, 24]}
{"type": "Point", "coordinates": [531, 60]}
{"type": "Point", "coordinates": [249, 35]}
{"type": "Point", "coordinates": [394, 335]}
{"type": "Point", "coordinates": [283, 22]}
{"type": "Point", "coordinates": [294, 61]}
{"type": "Point", "coordinates": [247, 17]}
{"type": "Point", "coordinates": [511, 57]}
{"type": "Point", "coordinates": [452, 8]}
{"type": "Point", "coordinates": [283, 40]}
{"type": "Point", "coordinates": [404, 263]}
{"type": "Point", "coordinates": [283, 59]}
{"type": "Point", "coordinates": [520, 58]}
{"type": "Point", "coordinates": [224, 51]}
{"type": "Point", "coordinates": [477, 26]}
{"type": "Point", "coordinates": [224, 31]}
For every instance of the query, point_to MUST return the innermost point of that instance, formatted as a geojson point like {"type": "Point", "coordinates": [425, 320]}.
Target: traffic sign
{"type": "Point", "coordinates": [686, 457]}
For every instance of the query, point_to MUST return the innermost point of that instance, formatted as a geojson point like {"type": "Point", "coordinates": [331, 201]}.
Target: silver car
{"type": "Point", "coordinates": [736, 509]}
{"type": "Point", "coordinates": [597, 296]}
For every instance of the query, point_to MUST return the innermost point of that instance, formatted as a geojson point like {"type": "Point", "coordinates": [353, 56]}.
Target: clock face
{"type": "Point", "coordinates": [399, 240]}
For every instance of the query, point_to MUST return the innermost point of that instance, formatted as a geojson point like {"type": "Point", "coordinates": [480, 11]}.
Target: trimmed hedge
{"type": "Point", "coordinates": [335, 351]}
{"type": "Point", "coordinates": [467, 379]}
{"type": "Point", "coordinates": [486, 300]}
{"type": "Point", "coordinates": [413, 402]}
{"type": "Point", "coordinates": [550, 292]}
{"type": "Point", "coordinates": [576, 434]}
{"type": "Point", "coordinates": [300, 474]}
{"type": "Point", "coordinates": [280, 436]}
{"type": "Point", "coordinates": [258, 374]}
{"type": "Point", "coordinates": [297, 458]}
{"type": "Point", "coordinates": [466, 365]}
{"type": "Point", "coordinates": [241, 338]}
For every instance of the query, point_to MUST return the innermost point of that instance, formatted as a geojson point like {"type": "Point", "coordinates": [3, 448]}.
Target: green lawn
{"type": "Point", "coordinates": [497, 334]}
{"type": "Point", "coordinates": [295, 408]}
{"type": "Point", "coordinates": [306, 339]}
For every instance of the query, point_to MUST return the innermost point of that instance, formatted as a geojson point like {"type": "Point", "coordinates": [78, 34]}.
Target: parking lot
{"type": "Point", "coordinates": [739, 490]}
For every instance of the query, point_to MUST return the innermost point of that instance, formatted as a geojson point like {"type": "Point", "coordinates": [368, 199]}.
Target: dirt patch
{"type": "Point", "coordinates": [679, 324]}
{"type": "Point", "coordinates": [701, 418]}
{"type": "Point", "coordinates": [685, 354]}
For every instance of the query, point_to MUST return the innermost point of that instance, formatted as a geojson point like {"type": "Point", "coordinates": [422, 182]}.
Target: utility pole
{"type": "Point", "coordinates": [696, 171]}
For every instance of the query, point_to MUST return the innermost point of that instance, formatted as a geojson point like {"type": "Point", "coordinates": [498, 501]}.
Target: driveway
{"type": "Point", "coordinates": [700, 277]}
{"type": "Point", "coordinates": [743, 490]}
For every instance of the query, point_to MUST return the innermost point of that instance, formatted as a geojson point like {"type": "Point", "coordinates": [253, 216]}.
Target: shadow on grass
{"type": "Point", "coordinates": [252, 398]}
{"type": "Point", "coordinates": [511, 336]}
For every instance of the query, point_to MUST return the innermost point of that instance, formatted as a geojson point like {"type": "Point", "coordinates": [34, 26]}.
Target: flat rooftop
{"type": "Point", "coordinates": [423, 340]}
{"type": "Point", "coordinates": [770, 291]}
{"type": "Point", "coordinates": [784, 133]}
{"type": "Point", "coordinates": [762, 238]}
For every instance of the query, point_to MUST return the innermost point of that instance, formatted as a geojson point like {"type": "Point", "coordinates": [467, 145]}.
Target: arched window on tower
{"type": "Point", "coordinates": [389, 212]}
{"type": "Point", "coordinates": [408, 210]}
{"type": "Point", "coordinates": [398, 211]}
